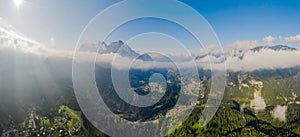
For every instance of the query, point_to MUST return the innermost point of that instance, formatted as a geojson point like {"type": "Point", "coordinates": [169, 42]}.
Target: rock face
{"type": "Point", "coordinates": [118, 47]}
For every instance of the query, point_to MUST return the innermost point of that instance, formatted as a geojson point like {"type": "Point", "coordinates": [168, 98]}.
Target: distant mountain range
{"type": "Point", "coordinates": [231, 55]}
{"type": "Point", "coordinates": [240, 53]}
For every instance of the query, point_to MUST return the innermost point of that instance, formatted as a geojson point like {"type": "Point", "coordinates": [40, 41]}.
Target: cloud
{"type": "Point", "coordinates": [211, 48]}
{"type": "Point", "coordinates": [258, 103]}
{"type": "Point", "coordinates": [123, 62]}
{"type": "Point", "coordinates": [279, 113]}
{"type": "Point", "coordinates": [241, 46]}
{"type": "Point", "coordinates": [264, 59]}
{"type": "Point", "coordinates": [244, 44]}
{"type": "Point", "coordinates": [292, 38]}
{"type": "Point", "coordinates": [269, 40]}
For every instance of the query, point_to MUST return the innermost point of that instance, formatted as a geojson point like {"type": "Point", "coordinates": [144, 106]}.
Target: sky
{"type": "Point", "coordinates": [59, 23]}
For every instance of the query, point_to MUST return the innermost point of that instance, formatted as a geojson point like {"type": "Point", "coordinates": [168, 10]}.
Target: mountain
{"type": "Point", "coordinates": [119, 48]}
{"type": "Point", "coordinates": [240, 53]}
{"type": "Point", "coordinates": [275, 48]}
{"type": "Point", "coordinates": [254, 58]}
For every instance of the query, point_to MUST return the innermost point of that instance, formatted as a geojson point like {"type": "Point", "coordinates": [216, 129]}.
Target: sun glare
{"type": "Point", "coordinates": [18, 3]}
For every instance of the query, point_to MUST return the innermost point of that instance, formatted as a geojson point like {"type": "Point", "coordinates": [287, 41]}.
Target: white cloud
{"type": "Point", "coordinates": [279, 112]}
{"type": "Point", "coordinates": [211, 48]}
{"type": "Point", "coordinates": [269, 40]}
{"type": "Point", "coordinates": [265, 59]}
{"type": "Point", "coordinates": [244, 44]}
{"type": "Point", "coordinates": [292, 38]}
{"type": "Point", "coordinates": [258, 103]}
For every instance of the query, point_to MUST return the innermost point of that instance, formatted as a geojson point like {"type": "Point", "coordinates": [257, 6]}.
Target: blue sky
{"type": "Point", "coordinates": [63, 21]}
{"type": "Point", "coordinates": [251, 19]}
